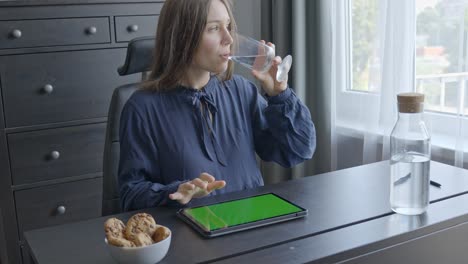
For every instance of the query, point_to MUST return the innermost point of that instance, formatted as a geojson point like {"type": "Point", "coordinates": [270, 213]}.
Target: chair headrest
{"type": "Point", "coordinates": [139, 56]}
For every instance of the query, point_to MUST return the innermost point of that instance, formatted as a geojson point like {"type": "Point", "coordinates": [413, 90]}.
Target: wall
{"type": "Point", "coordinates": [247, 14]}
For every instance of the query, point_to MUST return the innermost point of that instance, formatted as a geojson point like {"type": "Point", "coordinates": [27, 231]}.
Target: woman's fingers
{"type": "Point", "coordinates": [182, 191]}
{"type": "Point", "coordinates": [196, 188]}
{"type": "Point", "coordinates": [176, 196]}
{"type": "Point", "coordinates": [277, 60]}
{"type": "Point", "coordinates": [181, 198]}
{"type": "Point", "coordinates": [271, 45]}
{"type": "Point", "coordinates": [215, 185]}
{"type": "Point", "coordinates": [187, 186]}
{"type": "Point", "coordinates": [199, 183]}
{"type": "Point", "coordinates": [207, 177]}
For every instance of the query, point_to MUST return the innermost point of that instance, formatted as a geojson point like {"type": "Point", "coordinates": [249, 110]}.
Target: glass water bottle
{"type": "Point", "coordinates": [410, 147]}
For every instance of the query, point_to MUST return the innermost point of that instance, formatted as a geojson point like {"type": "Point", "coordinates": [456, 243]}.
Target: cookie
{"type": "Point", "coordinates": [120, 242]}
{"type": "Point", "coordinates": [114, 229]}
{"type": "Point", "coordinates": [141, 239]}
{"type": "Point", "coordinates": [160, 233]}
{"type": "Point", "coordinates": [140, 223]}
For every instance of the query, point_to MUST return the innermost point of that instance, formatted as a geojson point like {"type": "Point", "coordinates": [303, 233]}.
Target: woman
{"type": "Point", "coordinates": [194, 128]}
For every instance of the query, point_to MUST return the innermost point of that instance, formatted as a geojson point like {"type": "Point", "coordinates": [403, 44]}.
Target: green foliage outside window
{"type": "Point", "coordinates": [364, 26]}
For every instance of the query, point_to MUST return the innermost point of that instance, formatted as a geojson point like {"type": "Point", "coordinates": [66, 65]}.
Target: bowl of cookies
{"type": "Point", "coordinates": [139, 241]}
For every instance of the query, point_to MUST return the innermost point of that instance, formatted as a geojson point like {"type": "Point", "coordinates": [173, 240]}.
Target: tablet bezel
{"type": "Point", "coordinates": [240, 227]}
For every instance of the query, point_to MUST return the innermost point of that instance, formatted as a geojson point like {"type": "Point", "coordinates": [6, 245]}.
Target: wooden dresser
{"type": "Point", "coordinates": [58, 68]}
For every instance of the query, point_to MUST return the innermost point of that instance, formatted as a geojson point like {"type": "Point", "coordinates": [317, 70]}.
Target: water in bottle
{"type": "Point", "coordinates": [410, 157]}
{"type": "Point", "coordinates": [409, 192]}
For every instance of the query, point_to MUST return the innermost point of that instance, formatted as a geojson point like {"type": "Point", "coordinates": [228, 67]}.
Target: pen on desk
{"type": "Point", "coordinates": [436, 184]}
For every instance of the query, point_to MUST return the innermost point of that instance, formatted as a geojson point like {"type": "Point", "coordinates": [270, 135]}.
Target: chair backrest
{"type": "Point", "coordinates": [138, 59]}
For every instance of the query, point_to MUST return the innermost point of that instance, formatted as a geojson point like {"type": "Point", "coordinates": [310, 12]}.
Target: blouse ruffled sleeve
{"type": "Point", "coordinates": [283, 129]}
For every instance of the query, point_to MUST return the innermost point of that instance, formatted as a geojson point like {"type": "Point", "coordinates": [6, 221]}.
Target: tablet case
{"type": "Point", "coordinates": [241, 227]}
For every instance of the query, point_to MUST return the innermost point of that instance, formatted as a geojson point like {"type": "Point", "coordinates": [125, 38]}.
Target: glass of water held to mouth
{"type": "Point", "coordinates": [256, 55]}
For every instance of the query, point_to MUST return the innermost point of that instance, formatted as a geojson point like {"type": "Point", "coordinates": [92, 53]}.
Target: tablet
{"type": "Point", "coordinates": [241, 214]}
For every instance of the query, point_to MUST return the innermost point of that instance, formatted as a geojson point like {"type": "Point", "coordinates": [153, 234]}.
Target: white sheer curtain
{"type": "Point", "coordinates": [359, 123]}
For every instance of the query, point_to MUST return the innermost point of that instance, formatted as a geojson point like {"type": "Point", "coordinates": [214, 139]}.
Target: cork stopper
{"type": "Point", "coordinates": [410, 102]}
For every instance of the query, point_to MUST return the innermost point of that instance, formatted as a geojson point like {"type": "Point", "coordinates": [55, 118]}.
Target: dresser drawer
{"type": "Point", "coordinates": [130, 27]}
{"type": "Point", "coordinates": [58, 87]}
{"type": "Point", "coordinates": [53, 32]}
{"type": "Point", "coordinates": [58, 204]}
{"type": "Point", "coordinates": [56, 153]}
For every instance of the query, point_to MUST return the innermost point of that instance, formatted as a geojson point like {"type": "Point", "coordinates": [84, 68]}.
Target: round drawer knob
{"type": "Point", "coordinates": [91, 30]}
{"type": "Point", "coordinates": [132, 28]}
{"type": "Point", "coordinates": [16, 33]}
{"type": "Point", "coordinates": [61, 210]}
{"type": "Point", "coordinates": [54, 155]}
{"type": "Point", "coordinates": [48, 88]}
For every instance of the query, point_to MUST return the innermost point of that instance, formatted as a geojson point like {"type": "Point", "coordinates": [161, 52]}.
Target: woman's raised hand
{"type": "Point", "coordinates": [196, 188]}
{"type": "Point", "coordinates": [268, 79]}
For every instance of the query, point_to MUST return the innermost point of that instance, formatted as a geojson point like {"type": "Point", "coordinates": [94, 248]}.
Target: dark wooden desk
{"type": "Point", "coordinates": [343, 205]}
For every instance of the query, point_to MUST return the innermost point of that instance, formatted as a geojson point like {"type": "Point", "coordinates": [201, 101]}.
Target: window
{"type": "Point", "coordinates": [364, 46]}
{"type": "Point", "coordinates": [436, 60]}
{"type": "Point", "coordinates": [442, 54]}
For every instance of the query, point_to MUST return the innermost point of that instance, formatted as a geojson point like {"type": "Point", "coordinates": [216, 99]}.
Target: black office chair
{"type": "Point", "coordinates": [138, 59]}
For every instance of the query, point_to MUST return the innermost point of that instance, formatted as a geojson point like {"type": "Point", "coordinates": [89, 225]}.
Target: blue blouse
{"type": "Point", "coordinates": [167, 138]}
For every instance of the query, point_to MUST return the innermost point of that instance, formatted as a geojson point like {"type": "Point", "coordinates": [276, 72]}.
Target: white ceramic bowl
{"type": "Point", "coordinates": [140, 255]}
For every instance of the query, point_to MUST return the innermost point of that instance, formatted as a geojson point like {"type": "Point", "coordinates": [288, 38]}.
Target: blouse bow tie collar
{"type": "Point", "coordinates": [204, 106]}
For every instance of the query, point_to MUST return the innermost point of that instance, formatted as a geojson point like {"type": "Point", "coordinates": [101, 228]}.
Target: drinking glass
{"type": "Point", "coordinates": [256, 55]}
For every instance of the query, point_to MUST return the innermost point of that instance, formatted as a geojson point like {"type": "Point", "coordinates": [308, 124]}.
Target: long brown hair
{"type": "Point", "coordinates": [180, 29]}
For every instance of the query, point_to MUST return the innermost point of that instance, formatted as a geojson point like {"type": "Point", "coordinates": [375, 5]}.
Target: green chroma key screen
{"type": "Point", "coordinates": [241, 211]}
